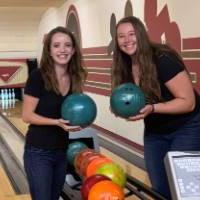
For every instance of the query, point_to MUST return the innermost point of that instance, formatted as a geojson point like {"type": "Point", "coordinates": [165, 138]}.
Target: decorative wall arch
{"type": "Point", "coordinates": [128, 9]}
{"type": "Point", "coordinates": [72, 22]}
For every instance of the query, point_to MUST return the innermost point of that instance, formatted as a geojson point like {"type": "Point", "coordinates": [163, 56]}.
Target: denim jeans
{"type": "Point", "coordinates": [187, 138]}
{"type": "Point", "coordinates": [46, 170]}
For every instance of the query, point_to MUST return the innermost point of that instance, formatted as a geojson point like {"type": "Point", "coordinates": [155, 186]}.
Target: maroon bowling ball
{"type": "Point", "coordinates": [89, 182]}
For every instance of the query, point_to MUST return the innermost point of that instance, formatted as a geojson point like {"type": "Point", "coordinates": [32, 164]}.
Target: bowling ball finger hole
{"type": "Point", "coordinates": [127, 103]}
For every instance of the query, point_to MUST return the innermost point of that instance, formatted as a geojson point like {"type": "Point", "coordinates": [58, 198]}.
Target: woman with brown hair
{"type": "Point", "coordinates": [172, 111]}
{"type": "Point", "coordinates": [60, 74]}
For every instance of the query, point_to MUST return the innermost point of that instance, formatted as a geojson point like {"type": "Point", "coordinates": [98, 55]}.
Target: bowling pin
{"type": "Point", "coordinates": [2, 94]}
{"type": "Point", "coordinates": [6, 95]}
{"type": "Point", "coordinates": [13, 94]}
{"type": "Point", "coordinates": [9, 94]}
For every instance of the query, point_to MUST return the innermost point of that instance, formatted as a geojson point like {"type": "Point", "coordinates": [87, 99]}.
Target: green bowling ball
{"type": "Point", "coordinates": [126, 100]}
{"type": "Point", "coordinates": [73, 149]}
{"type": "Point", "coordinates": [79, 109]}
{"type": "Point", "coordinates": [114, 172]}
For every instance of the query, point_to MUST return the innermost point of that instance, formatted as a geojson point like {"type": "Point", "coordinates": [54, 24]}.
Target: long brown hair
{"type": "Point", "coordinates": [144, 57]}
{"type": "Point", "coordinates": [75, 69]}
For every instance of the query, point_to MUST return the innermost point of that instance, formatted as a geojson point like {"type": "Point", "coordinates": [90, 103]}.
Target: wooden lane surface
{"type": "Point", "coordinates": [16, 197]}
{"type": "Point", "coordinates": [15, 118]}
{"type": "Point", "coordinates": [5, 185]}
{"type": "Point", "coordinates": [19, 124]}
{"type": "Point", "coordinates": [6, 190]}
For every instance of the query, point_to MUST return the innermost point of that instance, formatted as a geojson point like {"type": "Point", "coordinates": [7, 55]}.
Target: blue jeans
{"type": "Point", "coordinates": [187, 138]}
{"type": "Point", "coordinates": [46, 170]}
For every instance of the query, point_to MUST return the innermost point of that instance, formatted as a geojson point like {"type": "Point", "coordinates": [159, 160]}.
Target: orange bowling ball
{"type": "Point", "coordinates": [95, 164]}
{"type": "Point", "coordinates": [86, 162]}
{"type": "Point", "coordinates": [106, 190]}
{"type": "Point", "coordinates": [80, 156]}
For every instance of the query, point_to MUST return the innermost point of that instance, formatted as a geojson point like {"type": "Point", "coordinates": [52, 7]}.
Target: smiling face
{"type": "Point", "coordinates": [61, 49]}
{"type": "Point", "coordinates": [126, 38]}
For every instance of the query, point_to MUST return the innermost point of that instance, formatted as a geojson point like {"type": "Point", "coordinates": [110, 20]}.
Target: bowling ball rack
{"type": "Point", "coordinates": [133, 187]}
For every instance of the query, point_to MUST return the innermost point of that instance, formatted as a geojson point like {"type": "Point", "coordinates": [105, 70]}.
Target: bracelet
{"type": "Point", "coordinates": [153, 108]}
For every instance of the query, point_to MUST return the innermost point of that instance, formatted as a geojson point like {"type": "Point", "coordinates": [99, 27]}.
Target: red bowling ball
{"type": "Point", "coordinates": [89, 182]}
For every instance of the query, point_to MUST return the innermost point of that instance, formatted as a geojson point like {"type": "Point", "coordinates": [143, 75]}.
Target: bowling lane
{"type": "Point", "coordinates": [14, 116]}
{"type": "Point", "coordinates": [13, 185]}
{"type": "Point", "coordinates": [5, 185]}
{"type": "Point", "coordinates": [16, 197]}
{"type": "Point", "coordinates": [6, 189]}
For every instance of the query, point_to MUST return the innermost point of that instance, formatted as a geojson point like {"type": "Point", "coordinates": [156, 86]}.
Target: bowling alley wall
{"type": "Point", "coordinates": [93, 22]}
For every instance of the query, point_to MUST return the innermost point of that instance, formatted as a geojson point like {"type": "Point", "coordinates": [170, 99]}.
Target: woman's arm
{"type": "Point", "coordinates": [184, 98]}
{"type": "Point", "coordinates": [29, 115]}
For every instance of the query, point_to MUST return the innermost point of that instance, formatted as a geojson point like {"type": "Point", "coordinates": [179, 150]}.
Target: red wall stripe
{"type": "Point", "coordinates": [13, 60]}
{"type": "Point", "coordinates": [99, 78]}
{"type": "Point", "coordinates": [95, 50]}
{"type": "Point", "coordinates": [193, 64]}
{"type": "Point", "coordinates": [191, 43]}
{"type": "Point", "coordinates": [98, 63]}
{"type": "Point", "coordinates": [95, 90]}
{"type": "Point", "coordinates": [18, 85]}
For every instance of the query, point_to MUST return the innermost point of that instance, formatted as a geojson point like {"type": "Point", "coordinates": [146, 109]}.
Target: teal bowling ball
{"type": "Point", "coordinates": [79, 109]}
{"type": "Point", "coordinates": [126, 100]}
{"type": "Point", "coordinates": [73, 149]}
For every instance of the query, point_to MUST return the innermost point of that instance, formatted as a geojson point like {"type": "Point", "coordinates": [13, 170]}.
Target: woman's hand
{"type": "Point", "coordinates": [64, 124]}
{"type": "Point", "coordinates": [148, 109]}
